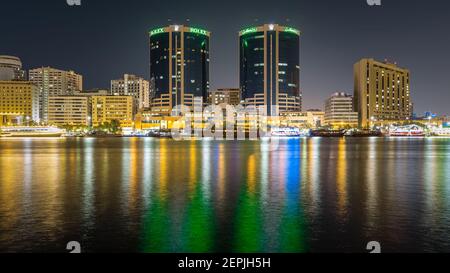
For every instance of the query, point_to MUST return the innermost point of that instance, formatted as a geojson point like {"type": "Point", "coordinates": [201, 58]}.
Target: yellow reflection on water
{"type": "Point", "coordinates": [341, 177]}
{"type": "Point", "coordinates": [251, 173]}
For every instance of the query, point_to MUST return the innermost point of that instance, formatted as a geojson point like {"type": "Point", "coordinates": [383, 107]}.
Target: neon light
{"type": "Point", "coordinates": [157, 31]}
{"type": "Point", "coordinates": [199, 31]}
{"type": "Point", "coordinates": [249, 30]}
{"type": "Point", "coordinates": [292, 30]}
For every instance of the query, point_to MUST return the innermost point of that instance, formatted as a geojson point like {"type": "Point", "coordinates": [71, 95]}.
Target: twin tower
{"type": "Point", "coordinates": [269, 69]}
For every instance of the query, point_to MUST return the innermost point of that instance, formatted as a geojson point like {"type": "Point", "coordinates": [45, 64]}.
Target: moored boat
{"type": "Point", "coordinates": [406, 131]}
{"type": "Point", "coordinates": [31, 132]}
{"type": "Point", "coordinates": [288, 132]}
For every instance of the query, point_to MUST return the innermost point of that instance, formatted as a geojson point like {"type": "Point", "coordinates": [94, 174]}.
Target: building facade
{"type": "Point", "coordinates": [108, 108]}
{"type": "Point", "coordinates": [382, 92]}
{"type": "Point", "coordinates": [11, 68]}
{"type": "Point", "coordinates": [270, 68]}
{"type": "Point", "coordinates": [53, 82]}
{"type": "Point", "coordinates": [131, 85]}
{"type": "Point", "coordinates": [230, 96]}
{"type": "Point", "coordinates": [68, 110]}
{"type": "Point", "coordinates": [179, 66]}
{"type": "Point", "coordinates": [19, 102]}
{"type": "Point", "coordinates": [339, 111]}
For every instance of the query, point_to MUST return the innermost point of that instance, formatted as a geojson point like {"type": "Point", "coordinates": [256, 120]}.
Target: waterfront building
{"type": "Point", "coordinates": [229, 96]}
{"type": "Point", "coordinates": [308, 119]}
{"type": "Point", "coordinates": [382, 93]}
{"type": "Point", "coordinates": [108, 108]}
{"type": "Point", "coordinates": [53, 82]}
{"type": "Point", "coordinates": [131, 85]}
{"type": "Point", "coordinates": [270, 68]}
{"type": "Point", "coordinates": [179, 67]}
{"type": "Point", "coordinates": [339, 111]}
{"type": "Point", "coordinates": [19, 102]}
{"type": "Point", "coordinates": [11, 68]}
{"type": "Point", "coordinates": [69, 110]}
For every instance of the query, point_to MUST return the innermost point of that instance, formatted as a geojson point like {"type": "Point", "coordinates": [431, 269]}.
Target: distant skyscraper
{"type": "Point", "coordinates": [179, 66]}
{"type": "Point", "coordinates": [382, 92]}
{"type": "Point", "coordinates": [270, 69]}
{"type": "Point", "coordinates": [135, 86]}
{"type": "Point", "coordinates": [53, 82]}
{"type": "Point", "coordinates": [339, 111]}
{"type": "Point", "coordinates": [11, 68]}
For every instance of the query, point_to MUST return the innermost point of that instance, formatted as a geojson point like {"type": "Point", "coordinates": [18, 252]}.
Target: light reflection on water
{"type": "Point", "coordinates": [159, 195]}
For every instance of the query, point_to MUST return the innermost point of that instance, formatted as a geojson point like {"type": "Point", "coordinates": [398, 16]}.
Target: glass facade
{"type": "Point", "coordinates": [179, 63]}
{"type": "Point", "coordinates": [269, 67]}
{"type": "Point", "coordinates": [252, 64]}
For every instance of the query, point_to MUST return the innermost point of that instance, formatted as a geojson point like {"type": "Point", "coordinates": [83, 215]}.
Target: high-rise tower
{"type": "Point", "coordinates": [179, 66]}
{"type": "Point", "coordinates": [270, 69]}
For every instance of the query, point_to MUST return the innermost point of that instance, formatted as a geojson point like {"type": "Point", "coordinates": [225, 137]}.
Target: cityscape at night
{"type": "Point", "coordinates": [240, 127]}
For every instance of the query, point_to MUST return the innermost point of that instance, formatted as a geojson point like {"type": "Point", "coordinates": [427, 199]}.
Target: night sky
{"type": "Point", "coordinates": [104, 39]}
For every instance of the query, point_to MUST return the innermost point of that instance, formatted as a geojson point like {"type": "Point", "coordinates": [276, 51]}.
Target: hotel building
{"type": "Point", "coordinates": [109, 108]}
{"type": "Point", "coordinates": [69, 110]}
{"type": "Point", "coordinates": [339, 111]}
{"type": "Point", "coordinates": [131, 85]}
{"type": "Point", "coordinates": [179, 67]}
{"type": "Point", "coordinates": [19, 102]}
{"type": "Point", "coordinates": [382, 92]}
{"type": "Point", "coordinates": [231, 96]}
{"type": "Point", "coordinates": [270, 68]}
{"type": "Point", "coordinates": [11, 68]}
{"type": "Point", "coordinates": [53, 82]}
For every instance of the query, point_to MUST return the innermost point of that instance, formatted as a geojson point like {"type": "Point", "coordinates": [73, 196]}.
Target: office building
{"type": "Point", "coordinates": [11, 68]}
{"type": "Point", "coordinates": [230, 96]}
{"type": "Point", "coordinates": [19, 103]}
{"type": "Point", "coordinates": [179, 66]}
{"type": "Point", "coordinates": [53, 82]}
{"type": "Point", "coordinates": [108, 108]}
{"type": "Point", "coordinates": [270, 68]}
{"type": "Point", "coordinates": [131, 85]}
{"type": "Point", "coordinates": [339, 111]}
{"type": "Point", "coordinates": [68, 110]}
{"type": "Point", "coordinates": [382, 92]}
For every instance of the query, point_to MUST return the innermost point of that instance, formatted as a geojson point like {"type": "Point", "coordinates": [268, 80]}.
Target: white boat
{"type": "Point", "coordinates": [288, 132]}
{"type": "Point", "coordinates": [31, 132]}
{"type": "Point", "coordinates": [440, 131]}
{"type": "Point", "coordinates": [406, 131]}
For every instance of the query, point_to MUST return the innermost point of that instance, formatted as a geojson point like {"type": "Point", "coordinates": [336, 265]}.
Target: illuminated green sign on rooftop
{"type": "Point", "coordinates": [198, 31]}
{"type": "Point", "coordinates": [249, 30]}
{"type": "Point", "coordinates": [157, 31]}
{"type": "Point", "coordinates": [292, 30]}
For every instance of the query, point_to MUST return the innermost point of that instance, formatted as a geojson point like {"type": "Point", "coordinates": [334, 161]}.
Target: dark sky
{"type": "Point", "coordinates": [103, 39]}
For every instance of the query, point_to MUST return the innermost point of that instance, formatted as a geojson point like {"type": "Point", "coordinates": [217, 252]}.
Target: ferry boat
{"type": "Point", "coordinates": [31, 132]}
{"type": "Point", "coordinates": [407, 131]}
{"type": "Point", "coordinates": [288, 132]}
{"type": "Point", "coordinates": [443, 132]}
{"type": "Point", "coordinates": [328, 133]}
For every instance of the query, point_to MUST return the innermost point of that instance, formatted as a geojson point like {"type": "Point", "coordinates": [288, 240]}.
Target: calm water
{"type": "Point", "coordinates": [152, 195]}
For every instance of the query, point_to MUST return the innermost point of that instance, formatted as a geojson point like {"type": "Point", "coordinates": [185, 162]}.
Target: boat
{"type": "Point", "coordinates": [406, 131]}
{"type": "Point", "coordinates": [442, 132]}
{"type": "Point", "coordinates": [288, 132]}
{"type": "Point", "coordinates": [31, 132]}
{"type": "Point", "coordinates": [363, 133]}
{"type": "Point", "coordinates": [328, 133]}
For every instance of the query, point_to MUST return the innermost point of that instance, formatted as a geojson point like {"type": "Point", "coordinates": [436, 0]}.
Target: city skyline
{"type": "Point", "coordinates": [328, 46]}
